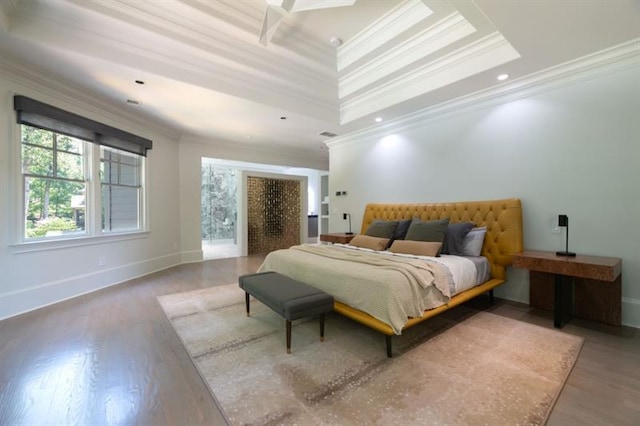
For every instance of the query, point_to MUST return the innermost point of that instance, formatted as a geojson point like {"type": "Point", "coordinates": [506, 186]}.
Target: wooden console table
{"type": "Point", "coordinates": [338, 237]}
{"type": "Point", "coordinates": [588, 287]}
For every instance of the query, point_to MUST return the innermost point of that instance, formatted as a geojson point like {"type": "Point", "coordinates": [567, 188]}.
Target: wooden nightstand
{"type": "Point", "coordinates": [588, 287]}
{"type": "Point", "coordinates": [338, 237]}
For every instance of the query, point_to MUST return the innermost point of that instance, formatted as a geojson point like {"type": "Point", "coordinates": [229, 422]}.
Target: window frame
{"type": "Point", "coordinates": [93, 232]}
{"type": "Point", "coordinates": [141, 188]}
{"type": "Point", "coordinates": [54, 177]}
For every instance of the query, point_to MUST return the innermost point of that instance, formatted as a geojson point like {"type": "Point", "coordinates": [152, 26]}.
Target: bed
{"type": "Point", "coordinates": [391, 293]}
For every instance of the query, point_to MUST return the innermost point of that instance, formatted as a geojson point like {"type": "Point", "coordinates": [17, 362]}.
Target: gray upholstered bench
{"type": "Point", "coordinates": [289, 298]}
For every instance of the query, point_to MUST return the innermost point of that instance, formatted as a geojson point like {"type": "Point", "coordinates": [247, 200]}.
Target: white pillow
{"type": "Point", "coordinates": [473, 241]}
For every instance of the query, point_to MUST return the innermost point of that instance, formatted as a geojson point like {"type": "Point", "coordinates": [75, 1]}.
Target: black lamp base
{"type": "Point", "coordinates": [565, 253]}
{"type": "Point", "coordinates": [348, 233]}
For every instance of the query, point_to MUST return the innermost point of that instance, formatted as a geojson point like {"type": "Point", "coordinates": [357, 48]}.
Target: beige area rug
{"type": "Point", "coordinates": [463, 367]}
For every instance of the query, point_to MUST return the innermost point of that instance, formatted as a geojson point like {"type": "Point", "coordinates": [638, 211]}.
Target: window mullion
{"type": "Point", "coordinates": [54, 172]}
{"type": "Point", "coordinates": [94, 187]}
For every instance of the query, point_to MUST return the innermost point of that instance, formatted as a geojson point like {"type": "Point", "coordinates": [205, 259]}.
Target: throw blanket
{"type": "Point", "coordinates": [388, 288]}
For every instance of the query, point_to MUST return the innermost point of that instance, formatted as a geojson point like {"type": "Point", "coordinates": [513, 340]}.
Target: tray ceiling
{"type": "Point", "coordinates": [208, 75]}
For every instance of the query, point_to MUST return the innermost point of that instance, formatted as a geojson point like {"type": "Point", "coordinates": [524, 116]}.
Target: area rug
{"type": "Point", "coordinates": [464, 367]}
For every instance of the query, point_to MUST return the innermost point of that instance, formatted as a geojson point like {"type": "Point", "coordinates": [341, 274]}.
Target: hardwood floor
{"type": "Point", "coordinates": [111, 357]}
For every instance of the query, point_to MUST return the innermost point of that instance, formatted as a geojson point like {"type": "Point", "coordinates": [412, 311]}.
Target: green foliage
{"type": "Point", "coordinates": [54, 163]}
{"type": "Point", "coordinates": [218, 208]}
{"type": "Point", "coordinates": [51, 224]}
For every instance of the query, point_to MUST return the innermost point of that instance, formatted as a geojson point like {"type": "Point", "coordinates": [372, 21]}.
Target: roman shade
{"type": "Point", "coordinates": [43, 116]}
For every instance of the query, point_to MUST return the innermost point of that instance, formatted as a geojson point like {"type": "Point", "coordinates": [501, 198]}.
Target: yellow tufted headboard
{"type": "Point", "coordinates": [503, 219]}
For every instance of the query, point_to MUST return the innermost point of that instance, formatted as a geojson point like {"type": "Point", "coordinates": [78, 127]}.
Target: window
{"type": "Point", "coordinates": [120, 177]}
{"type": "Point", "coordinates": [54, 183]}
{"type": "Point", "coordinates": [67, 158]}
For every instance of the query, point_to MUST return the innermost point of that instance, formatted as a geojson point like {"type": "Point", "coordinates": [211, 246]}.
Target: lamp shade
{"type": "Point", "coordinates": [563, 220]}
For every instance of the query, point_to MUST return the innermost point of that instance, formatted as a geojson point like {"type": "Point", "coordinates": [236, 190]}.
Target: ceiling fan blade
{"type": "Point", "coordinates": [278, 9]}
{"type": "Point", "coordinates": [272, 18]}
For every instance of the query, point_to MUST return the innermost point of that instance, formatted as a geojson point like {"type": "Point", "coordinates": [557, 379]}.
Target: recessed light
{"type": "Point", "coordinates": [335, 42]}
{"type": "Point", "coordinates": [378, 119]}
{"type": "Point", "coordinates": [139, 82]}
{"type": "Point", "coordinates": [503, 77]}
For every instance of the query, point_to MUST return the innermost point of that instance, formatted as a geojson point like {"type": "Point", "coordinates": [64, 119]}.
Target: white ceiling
{"type": "Point", "coordinates": [207, 77]}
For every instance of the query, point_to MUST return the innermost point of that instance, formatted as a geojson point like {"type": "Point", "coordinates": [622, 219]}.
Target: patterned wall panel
{"type": "Point", "coordinates": [273, 214]}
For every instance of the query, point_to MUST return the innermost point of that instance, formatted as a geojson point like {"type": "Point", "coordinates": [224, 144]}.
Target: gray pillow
{"type": "Point", "coordinates": [382, 229]}
{"type": "Point", "coordinates": [433, 230]}
{"type": "Point", "coordinates": [454, 237]}
{"type": "Point", "coordinates": [401, 230]}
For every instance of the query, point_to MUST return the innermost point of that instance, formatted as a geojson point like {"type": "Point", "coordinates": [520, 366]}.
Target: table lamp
{"type": "Point", "coordinates": [344, 217]}
{"type": "Point", "coordinates": [563, 221]}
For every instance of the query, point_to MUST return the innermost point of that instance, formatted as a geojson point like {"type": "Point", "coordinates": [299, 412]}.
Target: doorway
{"type": "Point", "coordinates": [219, 211]}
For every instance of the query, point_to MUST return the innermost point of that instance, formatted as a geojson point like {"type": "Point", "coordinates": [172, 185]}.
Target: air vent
{"type": "Point", "coordinates": [327, 134]}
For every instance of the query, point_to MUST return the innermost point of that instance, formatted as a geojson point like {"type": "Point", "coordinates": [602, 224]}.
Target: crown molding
{"type": "Point", "coordinates": [39, 82]}
{"type": "Point", "coordinates": [242, 68]}
{"type": "Point", "coordinates": [485, 53]}
{"type": "Point", "coordinates": [394, 23]}
{"type": "Point", "coordinates": [242, 48]}
{"type": "Point", "coordinates": [442, 34]}
{"type": "Point", "coordinates": [623, 56]}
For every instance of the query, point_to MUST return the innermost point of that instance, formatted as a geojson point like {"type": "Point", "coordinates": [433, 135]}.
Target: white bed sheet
{"type": "Point", "coordinates": [464, 272]}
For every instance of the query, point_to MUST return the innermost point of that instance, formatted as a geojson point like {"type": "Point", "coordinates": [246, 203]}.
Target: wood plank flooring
{"type": "Point", "coordinates": [111, 357]}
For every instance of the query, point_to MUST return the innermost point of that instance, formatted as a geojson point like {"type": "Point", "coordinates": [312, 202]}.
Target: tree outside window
{"type": "Point", "coordinates": [54, 170]}
{"type": "Point", "coordinates": [54, 183]}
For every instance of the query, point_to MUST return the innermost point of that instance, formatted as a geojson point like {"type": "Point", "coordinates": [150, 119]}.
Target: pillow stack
{"type": "Point", "coordinates": [423, 238]}
{"type": "Point", "coordinates": [377, 236]}
{"type": "Point", "coordinates": [454, 238]}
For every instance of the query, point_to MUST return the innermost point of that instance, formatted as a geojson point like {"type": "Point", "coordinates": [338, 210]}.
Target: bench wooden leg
{"type": "Point", "coordinates": [322, 327]}
{"type": "Point", "coordinates": [388, 341]}
{"type": "Point", "coordinates": [288, 336]}
{"type": "Point", "coordinates": [246, 299]}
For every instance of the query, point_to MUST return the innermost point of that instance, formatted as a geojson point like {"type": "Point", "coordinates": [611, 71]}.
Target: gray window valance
{"type": "Point", "coordinates": [43, 116]}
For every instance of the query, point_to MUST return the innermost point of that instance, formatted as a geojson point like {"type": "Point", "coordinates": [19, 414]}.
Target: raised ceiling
{"type": "Point", "coordinates": [210, 76]}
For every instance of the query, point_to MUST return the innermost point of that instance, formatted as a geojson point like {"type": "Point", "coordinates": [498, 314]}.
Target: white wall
{"type": "Point", "coordinates": [573, 149]}
{"type": "Point", "coordinates": [30, 279]}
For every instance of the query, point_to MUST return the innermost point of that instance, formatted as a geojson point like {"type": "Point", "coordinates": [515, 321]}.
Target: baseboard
{"type": "Point", "coordinates": [192, 256]}
{"type": "Point", "coordinates": [36, 297]}
{"type": "Point", "coordinates": [631, 312]}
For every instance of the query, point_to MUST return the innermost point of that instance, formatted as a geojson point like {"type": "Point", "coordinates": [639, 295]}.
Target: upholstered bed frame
{"type": "Point", "coordinates": [503, 219]}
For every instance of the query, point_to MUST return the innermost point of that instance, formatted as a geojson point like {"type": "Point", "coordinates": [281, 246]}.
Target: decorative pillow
{"type": "Point", "coordinates": [419, 248]}
{"type": "Point", "coordinates": [473, 241]}
{"type": "Point", "coordinates": [366, 241]}
{"type": "Point", "coordinates": [401, 230]}
{"type": "Point", "coordinates": [382, 229]}
{"type": "Point", "coordinates": [432, 230]}
{"type": "Point", "coordinates": [454, 236]}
